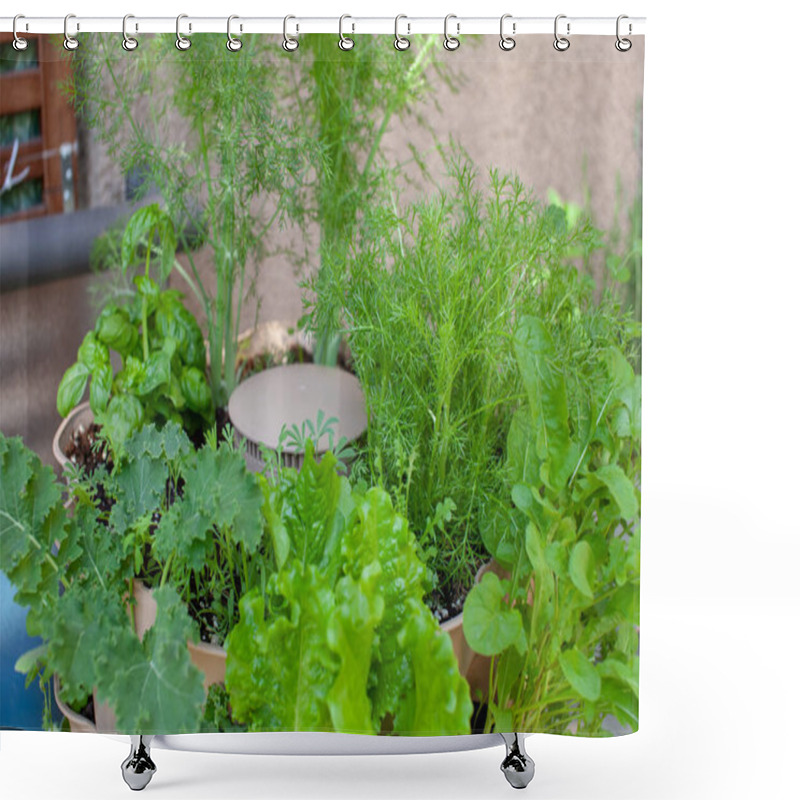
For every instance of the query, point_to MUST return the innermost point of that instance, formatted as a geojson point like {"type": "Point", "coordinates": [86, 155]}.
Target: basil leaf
{"type": "Point", "coordinates": [72, 387]}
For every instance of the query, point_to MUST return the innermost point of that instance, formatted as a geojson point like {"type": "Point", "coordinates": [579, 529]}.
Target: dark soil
{"type": "Point", "coordinates": [447, 602]}
{"type": "Point", "coordinates": [86, 450]}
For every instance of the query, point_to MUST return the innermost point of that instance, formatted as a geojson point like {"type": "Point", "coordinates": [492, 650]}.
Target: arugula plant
{"type": "Point", "coordinates": [430, 295]}
{"type": "Point", "coordinates": [341, 639]}
{"type": "Point", "coordinates": [180, 519]}
{"type": "Point", "coordinates": [158, 341]}
{"type": "Point", "coordinates": [562, 628]}
{"type": "Point", "coordinates": [211, 134]}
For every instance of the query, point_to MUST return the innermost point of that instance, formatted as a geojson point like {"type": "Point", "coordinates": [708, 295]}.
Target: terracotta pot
{"type": "Point", "coordinates": [80, 415]}
{"type": "Point", "coordinates": [77, 723]}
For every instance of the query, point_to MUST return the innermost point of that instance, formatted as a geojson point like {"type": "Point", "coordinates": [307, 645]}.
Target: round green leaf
{"type": "Point", "coordinates": [490, 625]}
{"type": "Point", "coordinates": [582, 675]}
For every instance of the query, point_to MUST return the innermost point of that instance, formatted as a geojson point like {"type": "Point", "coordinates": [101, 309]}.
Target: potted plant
{"type": "Point", "coordinates": [429, 297]}
{"type": "Point", "coordinates": [158, 343]}
{"type": "Point", "coordinates": [229, 164]}
{"type": "Point", "coordinates": [213, 541]}
{"type": "Point", "coordinates": [566, 658]}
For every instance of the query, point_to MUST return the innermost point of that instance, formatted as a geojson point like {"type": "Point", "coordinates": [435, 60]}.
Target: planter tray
{"type": "Point", "coordinates": [322, 744]}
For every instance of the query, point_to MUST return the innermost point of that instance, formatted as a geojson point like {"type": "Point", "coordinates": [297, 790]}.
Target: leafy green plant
{"type": "Point", "coordinates": [347, 101]}
{"type": "Point", "coordinates": [563, 627]}
{"type": "Point", "coordinates": [187, 522]}
{"type": "Point", "coordinates": [210, 135]}
{"type": "Point", "coordinates": [430, 296]}
{"type": "Point", "coordinates": [341, 638]}
{"type": "Point", "coordinates": [159, 342]}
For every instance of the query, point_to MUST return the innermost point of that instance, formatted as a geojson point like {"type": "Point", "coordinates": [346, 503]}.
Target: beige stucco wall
{"type": "Point", "coordinates": [569, 121]}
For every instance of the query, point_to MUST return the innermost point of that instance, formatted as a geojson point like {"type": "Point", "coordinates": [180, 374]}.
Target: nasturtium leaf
{"type": "Point", "coordinates": [581, 674]}
{"type": "Point", "coordinates": [153, 684]}
{"type": "Point", "coordinates": [582, 568]}
{"type": "Point", "coordinates": [620, 488]}
{"type": "Point", "coordinates": [72, 387]}
{"type": "Point", "coordinates": [490, 624]}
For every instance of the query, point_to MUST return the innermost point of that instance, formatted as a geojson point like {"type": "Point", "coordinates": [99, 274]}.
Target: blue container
{"type": "Point", "coordinates": [19, 707]}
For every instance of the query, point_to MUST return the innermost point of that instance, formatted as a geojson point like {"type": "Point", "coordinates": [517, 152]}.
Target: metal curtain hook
{"type": "Point", "coordinates": [128, 42]}
{"type": "Point", "coordinates": [623, 45]}
{"type": "Point", "coordinates": [507, 42]}
{"type": "Point", "coordinates": [450, 42]}
{"type": "Point", "coordinates": [181, 42]}
{"type": "Point", "coordinates": [401, 42]}
{"type": "Point", "coordinates": [70, 42]}
{"type": "Point", "coordinates": [234, 44]}
{"type": "Point", "coordinates": [19, 43]}
{"type": "Point", "coordinates": [290, 43]}
{"type": "Point", "coordinates": [345, 42]}
{"type": "Point", "coordinates": [561, 43]}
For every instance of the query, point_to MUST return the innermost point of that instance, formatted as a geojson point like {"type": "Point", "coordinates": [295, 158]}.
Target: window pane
{"type": "Point", "coordinates": [12, 60]}
{"type": "Point", "coordinates": [25, 125]}
{"type": "Point", "coordinates": [22, 197]}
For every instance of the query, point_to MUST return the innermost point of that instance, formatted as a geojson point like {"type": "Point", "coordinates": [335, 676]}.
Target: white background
{"type": "Point", "coordinates": [720, 599]}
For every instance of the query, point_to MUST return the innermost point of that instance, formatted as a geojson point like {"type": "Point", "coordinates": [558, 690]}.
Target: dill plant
{"type": "Point", "coordinates": [429, 298]}
{"type": "Point", "coordinates": [209, 132]}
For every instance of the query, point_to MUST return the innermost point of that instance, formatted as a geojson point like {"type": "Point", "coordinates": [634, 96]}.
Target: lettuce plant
{"type": "Point", "coordinates": [562, 629]}
{"type": "Point", "coordinates": [158, 341]}
{"type": "Point", "coordinates": [341, 638]}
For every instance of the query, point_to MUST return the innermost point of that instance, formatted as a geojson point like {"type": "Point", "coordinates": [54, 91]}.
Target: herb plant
{"type": "Point", "coordinates": [158, 341]}
{"type": "Point", "coordinates": [347, 102]}
{"type": "Point", "coordinates": [430, 296]}
{"type": "Point", "coordinates": [213, 139]}
{"type": "Point", "coordinates": [563, 627]}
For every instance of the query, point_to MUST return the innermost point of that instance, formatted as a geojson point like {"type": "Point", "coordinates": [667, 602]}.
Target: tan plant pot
{"type": "Point", "coordinates": [77, 723]}
{"type": "Point", "coordinates": [208, 658]}
{"type": "Point", "coordinates": [80, 415]}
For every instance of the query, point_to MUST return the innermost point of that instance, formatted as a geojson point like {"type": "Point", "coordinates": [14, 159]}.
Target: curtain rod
{"type": "Point", "coordinates": [513, 26]}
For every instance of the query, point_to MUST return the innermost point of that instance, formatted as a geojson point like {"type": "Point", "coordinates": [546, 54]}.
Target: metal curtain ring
{"type": "Point", "coordinates": [128, 42]}
{"type": "Point", "coordinates": [345, 42]}
{"type": "Point", "coordinates": [290, 43]}
{"type": "Point", "coordinates": [181, 42]}
{"type": "Point", "coordinates": [19, 43]}
{"type": "Point", "coordinates": [401, 42]}
{"type": "Point", "coordinates": [450, 42]}
{"type": "Point", "coordinates": [233, 44]}
{"type": "Point", "coordinates": [623, 45]}
{"type": "Point", "coordinates": [70, 42]}
{"type": "Point", "coordinates": [507, 42]}
{"type": "Point", "coordinates": [561, 43]}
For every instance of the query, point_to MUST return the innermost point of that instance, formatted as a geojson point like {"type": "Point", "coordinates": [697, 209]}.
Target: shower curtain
{"type": "Point", "coordinates": [441, 535]}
